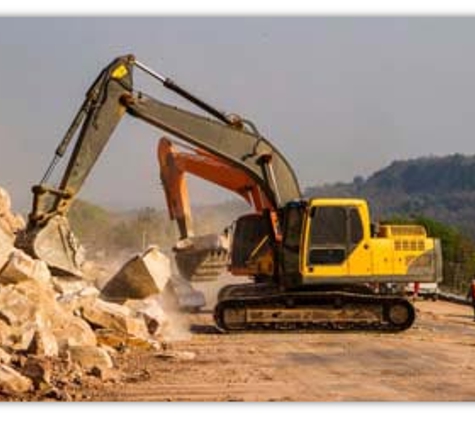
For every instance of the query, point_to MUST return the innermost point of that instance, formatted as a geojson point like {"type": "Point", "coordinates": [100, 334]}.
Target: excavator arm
{"type": "Point", "coordinates": [111, 96]}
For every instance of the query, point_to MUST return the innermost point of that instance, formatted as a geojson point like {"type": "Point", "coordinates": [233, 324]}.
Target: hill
{"type": "Point", "coordinates": [442, 188]}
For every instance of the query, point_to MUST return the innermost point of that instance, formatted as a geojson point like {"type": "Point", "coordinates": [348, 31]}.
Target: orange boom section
{"type": "Point", "coordinates": [202, 258]}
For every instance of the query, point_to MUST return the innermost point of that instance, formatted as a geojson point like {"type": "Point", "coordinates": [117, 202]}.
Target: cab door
{"type": "Point", "coordinates": [334, 242]}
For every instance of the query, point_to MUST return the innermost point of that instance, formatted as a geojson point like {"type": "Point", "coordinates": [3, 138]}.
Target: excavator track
{"type": "Point", "coordinates": [251, 307]}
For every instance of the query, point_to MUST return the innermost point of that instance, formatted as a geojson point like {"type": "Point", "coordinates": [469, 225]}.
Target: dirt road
{"type": "Point", "coordinates": [433, 361]}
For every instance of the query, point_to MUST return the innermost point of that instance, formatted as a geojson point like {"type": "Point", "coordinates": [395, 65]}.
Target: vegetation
{"type": "Point", "coordinates": [107, 233]}
{"type": "Point", "coordinates": [458, 252]}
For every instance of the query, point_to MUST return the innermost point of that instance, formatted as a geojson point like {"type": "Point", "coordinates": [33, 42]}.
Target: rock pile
{"type": "Point", "coordinates": [54, 331]}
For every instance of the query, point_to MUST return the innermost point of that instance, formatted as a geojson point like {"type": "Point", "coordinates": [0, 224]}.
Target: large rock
{"type": "Point", "coordinates": [6, 247]}
{"type": "Point", "coordinates": [16, 308]}
{"type": "Point", "coordinates": [89, 357]}
{"type": "Point", "coordinates": [9, 221]}
{"type": "Point", "coordinates": [151, 309]}
{"type": "Point", "coordinates": [38, 370]}
{"type": "Point", "coordinates": [75, 301]}
{"type": "Point", "coordinates": [142, 276]}
{"type": "Point", "coordinates": [5, 357]}
{"type": "Point", "coordinates": [29, 309]}
{"type": "Point", "coordinates": [116, 317]}
{"type": "Point", "coordinates": [21, 267]}
{"type": "Point", "coordinates": [12, 382]}
{"type": "Point", "coordinates": [9, 225]}
{"type": "Point", "coordinates": [44, 342]}
{"type": "Point", "coordinates": [74, 331]}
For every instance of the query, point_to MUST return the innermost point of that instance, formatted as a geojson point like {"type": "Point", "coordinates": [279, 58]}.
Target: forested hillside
{"type": "Point", "coordinates": [108, 232]}
{"type": "Point", "coordinates": [442, 188]}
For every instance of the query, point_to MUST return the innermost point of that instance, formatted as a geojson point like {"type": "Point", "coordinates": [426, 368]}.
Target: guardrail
{"type": "Point", "coordinates": [451, 297]}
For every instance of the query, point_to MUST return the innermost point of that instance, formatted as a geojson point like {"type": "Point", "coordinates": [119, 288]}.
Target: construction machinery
{"type": "Point", "coordinates": [203, 258]}
{"type": "Point", "coordinates": [327, 261]}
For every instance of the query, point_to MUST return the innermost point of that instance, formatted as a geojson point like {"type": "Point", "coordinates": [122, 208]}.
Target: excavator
{"type": "Point", "coordinates": [203, 258]}
{"type": "Point", "coordinates": [329, 262]}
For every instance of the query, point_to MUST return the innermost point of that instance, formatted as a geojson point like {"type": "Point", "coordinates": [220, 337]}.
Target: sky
{"type": "Point", "coordinates": [339, 96]}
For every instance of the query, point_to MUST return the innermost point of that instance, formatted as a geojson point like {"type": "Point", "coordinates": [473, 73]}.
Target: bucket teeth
{"type": "Point", "coordinates": [201, 266]}
{"type": "Point", "coordinates": [202, 258]}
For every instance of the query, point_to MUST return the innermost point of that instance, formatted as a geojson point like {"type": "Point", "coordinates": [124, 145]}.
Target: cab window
{"type": "Point", "coordinates": [334, 232]}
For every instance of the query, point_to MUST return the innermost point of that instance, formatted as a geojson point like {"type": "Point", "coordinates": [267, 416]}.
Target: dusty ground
{"type": "Point", "coordinates": [433, 361]}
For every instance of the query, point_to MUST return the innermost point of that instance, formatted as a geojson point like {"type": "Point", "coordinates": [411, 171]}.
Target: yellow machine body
{"type": "Point", "coordinates": [340, 245]}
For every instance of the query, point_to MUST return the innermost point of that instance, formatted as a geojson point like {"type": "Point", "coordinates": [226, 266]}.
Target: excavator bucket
{"type": "Point", "coordinates": [202, 258]}
{"type": "Point", "coordinates": [55, 244]}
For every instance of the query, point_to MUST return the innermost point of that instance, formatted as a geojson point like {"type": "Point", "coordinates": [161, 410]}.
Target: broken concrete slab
{"type": "Point", "coordinates": [21, 267]}
{"type": "Point", "coordinates": [12, 382]}
{"type": "Point", "coordinates": [140, 277]}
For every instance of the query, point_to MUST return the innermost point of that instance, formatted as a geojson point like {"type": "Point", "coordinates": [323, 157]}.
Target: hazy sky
{"type": "Point", "coordinates": [339, 96]}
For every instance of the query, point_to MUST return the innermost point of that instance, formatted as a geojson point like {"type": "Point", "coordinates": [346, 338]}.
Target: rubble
{"type": "Point", "coordinates": [21, 267]}
{"type": "Point", "coordinates": [142, 276]}
{"type": "Point", "coordinates": [151, 309]}
{"type": "Point", "coordinates": [38, 370]}
{"type": "Point", "coordinates": [44, 342]}
{"type": "Point", "coordinates": [75, 333]}
{"type": "Point", "coordinates": [116, 317]}
{"type": "Point", "coordinates": [12, 382]}
{"type": "Point", "coordinates": [10, 222]}
{"type": "Point", "coordinates": [89, 357]}
{"type": "Point", "coordinates": [52, 323]}
{"type": "Point", "coordinates": [4, 356]}
{"type": "Point", "coordinates": [6, 247]}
